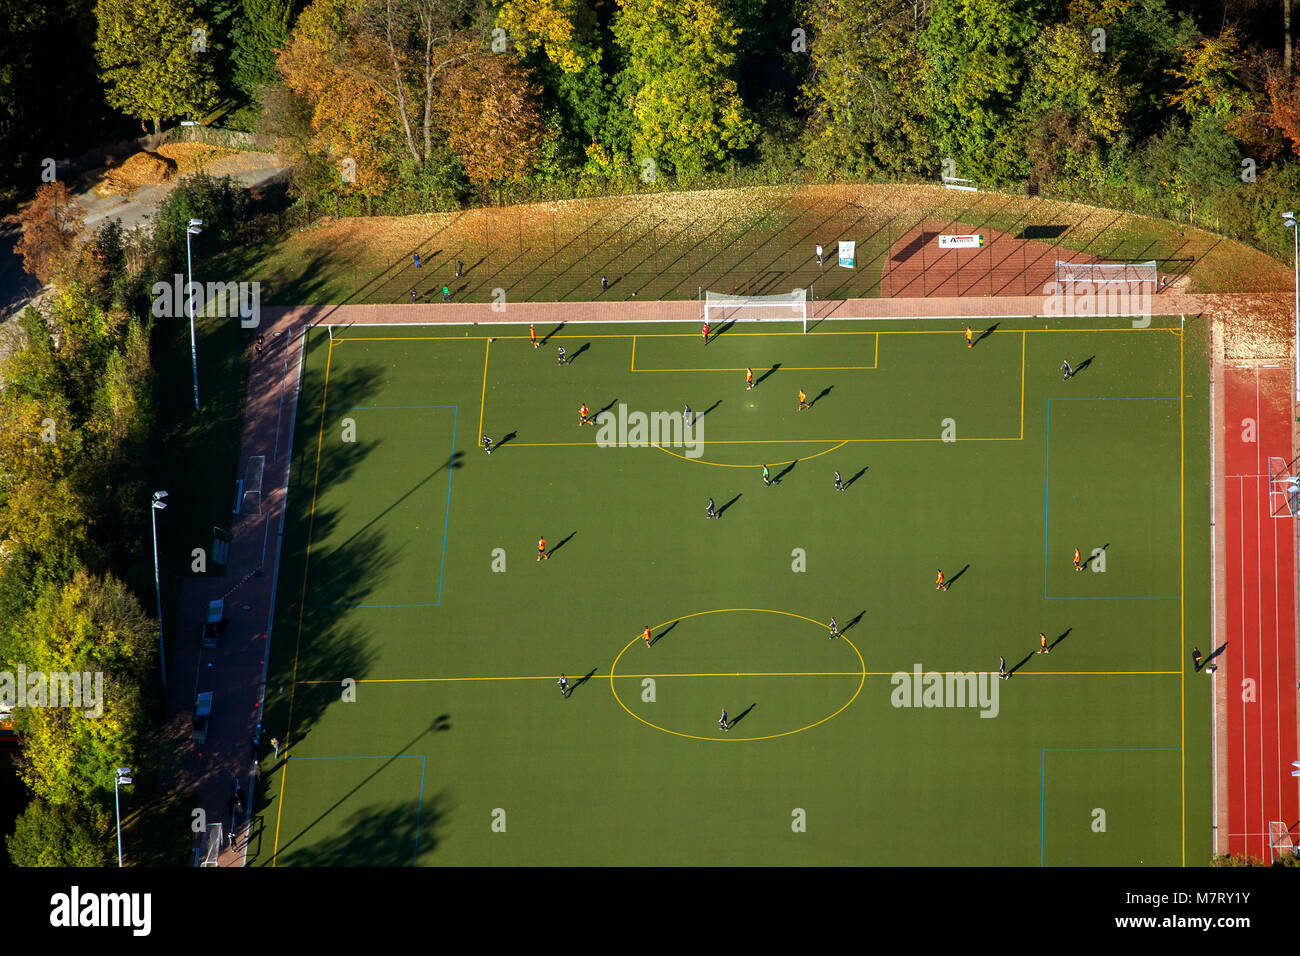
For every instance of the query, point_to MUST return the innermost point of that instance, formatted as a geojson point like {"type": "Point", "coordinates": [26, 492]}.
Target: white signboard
{"type": "Point", "coordinates": [961, 242]}
{"type": "Point", "coordinates": [846, 254]}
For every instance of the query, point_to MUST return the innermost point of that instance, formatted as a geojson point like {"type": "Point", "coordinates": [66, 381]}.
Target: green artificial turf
{"type": "Point", "coordinates": [455, 747]}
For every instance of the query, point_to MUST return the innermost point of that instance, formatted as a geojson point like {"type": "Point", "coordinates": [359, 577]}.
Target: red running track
{"type": "Point", "coordinates": [1261, 613]}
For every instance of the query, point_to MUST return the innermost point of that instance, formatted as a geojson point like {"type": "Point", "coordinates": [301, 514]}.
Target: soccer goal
{"type": "Point", "coordinates": [1281, 839]}
{"type": "Point", "coordinates": [1108, 273]}
{"type": "Point", "coordinates": [785, 307]}
{"type": "Point", "coordinates": [1283, 487]}
{"type": "Point", "coordinates": [248, 491]}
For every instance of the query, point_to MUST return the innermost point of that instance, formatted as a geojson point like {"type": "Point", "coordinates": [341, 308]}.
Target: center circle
{"type": "Point", "coordinates": [861, 673]}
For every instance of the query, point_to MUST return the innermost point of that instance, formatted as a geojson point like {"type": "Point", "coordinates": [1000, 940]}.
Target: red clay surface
{"type": "Point", "coordinates": [1258, 664]}
{"type": "Point", "coordinates": [1006, 265]}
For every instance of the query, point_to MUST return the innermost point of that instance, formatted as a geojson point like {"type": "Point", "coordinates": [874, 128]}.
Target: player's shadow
{"type": "Point", "coordinates": [849, 626]}
{"type": "Point", "coordinates": [727, 505]}
{"type": "Point", "coordinates": [455, 461]}
{"type": "Point", "coordinates": [860, 472]}
{"type": "Point", "coordinates": [784, 471]}
{"type": "Point", "coordinates": [580, 681]}
{"type": "Point", "coordinates": [509, 438]}
{"type": "Point", "coordinates": [709, 409]}
{"type": "Point", "coordinates": [985, 334]}
{"type": "Point", "coordinates": [1062, 637]}
{"type": "Point", "coordinates": [820, 395]}
{"type": "Point", "coordinates": [1023, 661]}
{"type": "Point", "coordinates": [583, 348]}
{"type": "Point", "coordinates": [724, 327]}
{"type": "Point", "coordinates": [742, 715]}
{"type": "Point", "coordinates": [612, 403]}
{"type": "Point", "coordinates": [1082, 365]}
{"type": "Point", "coordinates": [953, 580]}
{"type": "Point", "coordinates": [547, 337]}
{"type": "Point", "coordinates": [1213, 654]}
{"type": "Point", "coordinates": [441, 723]}
{"type": "Point", "coordinates": [759, 381]}
{"type": "Point", "coordinates": [562, 543]}
{"type": "Point", "coordinates": [662, 634]}
{"type": "Point", "coordinates": [1087, 561]}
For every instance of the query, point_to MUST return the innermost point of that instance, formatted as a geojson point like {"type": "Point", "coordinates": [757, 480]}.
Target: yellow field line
{"type": "Point", "coordinates": [302, 600]}
{"type": "Point", "coordinates": [784, 368]}
{"type": "Point", "coordinates": [487, 349]}
{"type": "Point", "coordinates": [691, 335]}
{"type": "Point", "coordinates": [719, 464]}
{"type": "Point", "coordinates": [1182, 615]}
{"type": "Point", "coordinates": [453, 680]}
{"type": "Point", "coordinates": [632, 367]}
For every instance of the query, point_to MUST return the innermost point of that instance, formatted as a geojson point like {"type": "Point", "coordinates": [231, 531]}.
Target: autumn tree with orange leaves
{"type": "Point", "coordinates": [50, 225]}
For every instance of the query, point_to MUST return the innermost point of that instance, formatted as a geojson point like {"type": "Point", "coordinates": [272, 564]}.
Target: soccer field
{"type": "Point", "coordinates": [417, 639]}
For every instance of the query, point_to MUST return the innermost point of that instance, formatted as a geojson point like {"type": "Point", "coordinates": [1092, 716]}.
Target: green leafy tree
{"type": "Point", "coordinates": [90, 624]}
{"type": "Point", "coordinates": [260, 32]}
{"type": "Point", "coordinates": [47, 834]}
{"type": "Point", "coordinates": [149, 61]}
{"type": "Point", "coordinates": [1210, 82]}
{"type": "Point", "coordinates": [678, 77]}
{"type": "Point", "coordinates": [864, 104]}
{"type": "Point", "coordinates": [975, 64]}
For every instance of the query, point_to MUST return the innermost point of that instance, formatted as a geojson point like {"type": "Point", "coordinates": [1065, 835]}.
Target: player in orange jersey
{"type": "Point", "coordinates": [584, 415]}
{"type": "Point", "coordinates": [749, 379]}
{"type": "Point", "coordinates": [645, 636]}
{"type": "Point", "coordinates": [970, 338]}
{"type": "Point", "coordinates": [1042, 644]}
{"type": "Point", "coordinates": [939, 584]}
{"type": "Point", "coordinates": [532, 334]}
{"type": "Point", "coordinates": [1078, 560]}
{"type": "Point", "coordinates": [541, 549]}
{"type": "Point", "coordinates": [803, 401]}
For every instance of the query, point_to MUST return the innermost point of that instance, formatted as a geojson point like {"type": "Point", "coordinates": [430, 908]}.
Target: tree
{"type": "Point", "coordinates": [864, 105]}
{"type": "Point", "coordinates": [684, 101]}
{"type": "Point", "coordinates": [152, 64]}
{"type": "Point", "coordinates": [975, 63]}
{"type": "Point", "coordinates": [260, 32]}
{"type": "Point", "coordinates": [1210, 83]}
{"type": "Point", "coordinates": [50, 225]}
{"type": "Point", "coordinates": [493, 120]}
{"type": "Point", "coordinates": [47, 834]}
{"type": "Point", "coordinates": [88, 625]}
{"type": "Point", "coordinates": [564, 29]}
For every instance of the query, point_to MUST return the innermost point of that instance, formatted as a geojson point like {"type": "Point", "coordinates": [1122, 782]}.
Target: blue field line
{"type": "Point", "coordinates": [419, 809]}
{"type": "Point", "coordinates": [446, 516]}
{"type": "Point", "coordinates": [1042, 782]}
{"type": "Point", "coordinates": [1047, 485]}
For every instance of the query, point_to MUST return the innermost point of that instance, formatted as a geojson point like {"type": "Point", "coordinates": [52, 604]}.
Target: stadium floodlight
{"type": "Point", "coordinates": [1289, 219]}
{"type": "Point", "coordinates": [157, 505]}
{"type": "Point", "coordinates": [121, 778]}
{"type": "Point", "coordinates": [193, 230]}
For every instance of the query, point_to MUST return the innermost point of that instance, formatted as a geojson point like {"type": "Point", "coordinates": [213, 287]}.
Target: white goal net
{"type": "Point", "coordinates": [785, 307]}
{"type": "Point", "coordinates": [1108, 273]}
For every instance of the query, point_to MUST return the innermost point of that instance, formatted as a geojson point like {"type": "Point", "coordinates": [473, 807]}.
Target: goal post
{"type": "Point", "coordinates": [784, 307]}
{"type": "Point", "coordinates": [1109, 273]}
